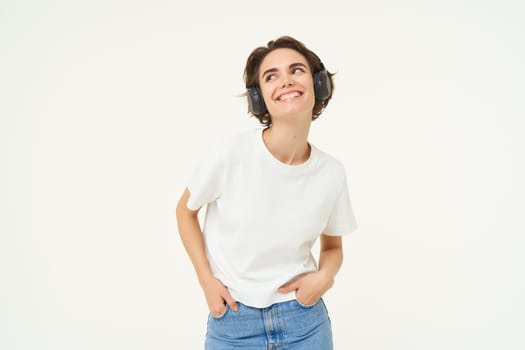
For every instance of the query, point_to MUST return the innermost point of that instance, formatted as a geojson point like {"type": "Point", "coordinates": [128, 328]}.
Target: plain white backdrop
{"type": "Point", "coordinates": [106, 107]}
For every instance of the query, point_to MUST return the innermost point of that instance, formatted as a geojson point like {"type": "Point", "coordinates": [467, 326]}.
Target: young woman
{"type": "Point", "coordinates": [270, 194]}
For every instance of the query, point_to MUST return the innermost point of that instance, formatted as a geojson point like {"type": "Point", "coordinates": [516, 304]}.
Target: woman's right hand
{"type": "Point", "coordinates": [217, 296]}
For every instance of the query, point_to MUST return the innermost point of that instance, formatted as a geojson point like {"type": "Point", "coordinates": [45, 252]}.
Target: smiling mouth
{"type": "Point", "coordinates": [289, 96]}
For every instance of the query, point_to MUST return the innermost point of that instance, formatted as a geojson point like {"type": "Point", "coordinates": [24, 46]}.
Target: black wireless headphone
{"type": "Point", "coordinates": [322, 88]}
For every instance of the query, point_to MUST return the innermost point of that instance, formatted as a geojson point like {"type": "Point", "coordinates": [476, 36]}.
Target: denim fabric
{"type": "Point", "coordinates": [282, 326]}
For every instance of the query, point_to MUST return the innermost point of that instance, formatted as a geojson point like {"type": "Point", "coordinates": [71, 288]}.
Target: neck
{"type": "Point", "coordinates": [288, 142]}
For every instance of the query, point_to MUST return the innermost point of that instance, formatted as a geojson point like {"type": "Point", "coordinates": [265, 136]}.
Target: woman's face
{"type": "Point", "coordinates": [286, 83]}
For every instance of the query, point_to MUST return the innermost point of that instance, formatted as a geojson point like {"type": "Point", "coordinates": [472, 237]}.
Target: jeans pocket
{"type": "Point", "coordinates": [306, 306]}
{"type": "Point", "coordinates": [221, 315]}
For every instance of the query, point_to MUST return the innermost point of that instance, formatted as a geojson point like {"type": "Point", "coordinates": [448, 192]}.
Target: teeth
{"type": "Point", "coordinates": [289, 96]}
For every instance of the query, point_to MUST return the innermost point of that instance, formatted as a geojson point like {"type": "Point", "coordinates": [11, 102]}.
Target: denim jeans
{"type": "Point", "coordinates": [282, 326]}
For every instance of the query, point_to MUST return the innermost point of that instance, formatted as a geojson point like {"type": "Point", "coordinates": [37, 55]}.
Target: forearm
{"type": "Point", "coordinates": [330, 261]}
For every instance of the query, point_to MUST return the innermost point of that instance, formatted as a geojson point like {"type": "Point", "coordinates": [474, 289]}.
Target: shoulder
{"type": "Point", "coordinates": [330, 162]}
{"type": "Point", "coordinates": [332, 169]}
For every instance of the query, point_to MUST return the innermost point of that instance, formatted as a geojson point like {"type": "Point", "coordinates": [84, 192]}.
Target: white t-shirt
{"type": "Point", "coordinates": [263, 216]}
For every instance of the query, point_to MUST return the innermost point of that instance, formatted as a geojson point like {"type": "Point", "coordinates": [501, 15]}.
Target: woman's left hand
{"type": "Point", "coordinates": [309, 288]}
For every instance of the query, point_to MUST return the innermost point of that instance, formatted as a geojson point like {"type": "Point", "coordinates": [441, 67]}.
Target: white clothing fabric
{"type": "Point", "coordinates": [263, 216]}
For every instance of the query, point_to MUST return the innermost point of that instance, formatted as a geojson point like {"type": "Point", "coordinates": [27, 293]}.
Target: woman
{"type": "Point", "coordinates": [270, 195]}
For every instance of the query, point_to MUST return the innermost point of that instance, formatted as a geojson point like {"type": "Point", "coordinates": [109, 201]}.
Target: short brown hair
{"type": "Point", "coordinates": [253, 63]}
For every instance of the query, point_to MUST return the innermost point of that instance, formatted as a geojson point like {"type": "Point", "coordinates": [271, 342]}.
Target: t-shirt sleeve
{"type": "Point", "coordinates": [205, 182]}
{"type": "Point", "coordinates": [342, 219]}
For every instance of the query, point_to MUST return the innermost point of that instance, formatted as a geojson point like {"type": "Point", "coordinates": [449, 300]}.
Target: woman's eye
{"type": "Point", "coordinates": [297, 70]}
{"type": "Point", "coordinates": [269, 77]}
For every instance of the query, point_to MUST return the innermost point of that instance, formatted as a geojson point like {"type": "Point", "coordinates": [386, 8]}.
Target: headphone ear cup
{"type": "Point", "coordinates": [322, 85]}
{"type": "Point", "coordinates": [255, 101]}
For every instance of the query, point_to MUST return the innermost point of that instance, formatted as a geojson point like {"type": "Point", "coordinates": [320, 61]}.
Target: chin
{"type": "Point", "coordinates": [291, 109]}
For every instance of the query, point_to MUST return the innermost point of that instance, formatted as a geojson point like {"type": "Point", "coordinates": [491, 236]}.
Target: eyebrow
{"type": "Point", "coordinates": [293, 65]}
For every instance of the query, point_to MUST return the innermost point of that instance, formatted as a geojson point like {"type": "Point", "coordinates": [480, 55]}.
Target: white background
{"type": "Point", "coordinates": [106, 107]}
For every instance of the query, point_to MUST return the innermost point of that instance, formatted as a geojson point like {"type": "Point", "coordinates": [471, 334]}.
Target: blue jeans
{"type": "Point", "coordinates": [282, 326]}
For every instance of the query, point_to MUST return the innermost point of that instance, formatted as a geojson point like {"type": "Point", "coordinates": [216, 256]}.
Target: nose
{"type": "Point", "coordinates": [286, 81]}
